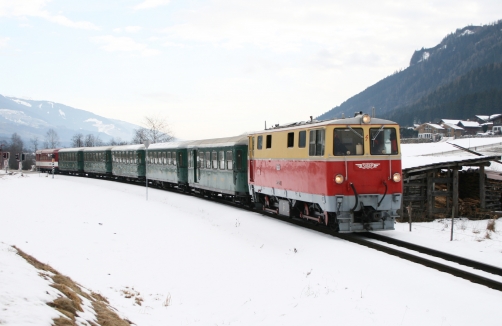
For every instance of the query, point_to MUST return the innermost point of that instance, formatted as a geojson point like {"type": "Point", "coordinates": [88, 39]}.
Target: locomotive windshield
{"type": "Point", "coordinates": [383, 141]}
{"type": "Point", "coordinates": [348, 141]}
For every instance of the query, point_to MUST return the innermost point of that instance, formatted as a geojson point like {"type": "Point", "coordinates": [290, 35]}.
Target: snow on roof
{"type": "Point", "coordinates": [435, 126]}
{"type": "Point", "coordinates": [450, 121]}
{"type": "Point", "coordinates": [97, 148]}
{"type": "Point", "coordinates": [483, 117]}
{"type": "Point", "coordinates": [220, 142]}
{"type": "Point", "coordinates": [469, 124]}
{"type": "Point", "coordinates": [452, 126]}
{"type": "Point", "coordinates": [170, 145]}
{"type": "Point", "coordinates": [128, 148]}
{"type": "Point", "coordinates": [494, 116]}
{"type": "Point", "coordinates": [67, 150]}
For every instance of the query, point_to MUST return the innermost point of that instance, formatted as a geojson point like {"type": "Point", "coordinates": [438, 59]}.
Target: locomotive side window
{"type": "Point", "coordinates": [291, 139]}
{"type": "Point", "coordinates": [259, 145]}
{"type": "Point", "coordinates": [348, 141]}
{"type": "Point", "coordinates": [316, 145]}
{"type": "Point", "coordinates": [229, 160]}
{"type": "Point", "coordinates": [383, 141]}
{"type": "Point", "coordinates": [269, 141]}
{"type": "Point", "coordinates": [302, 139]}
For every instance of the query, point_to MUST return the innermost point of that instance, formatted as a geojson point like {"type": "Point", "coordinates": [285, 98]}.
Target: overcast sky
{"type": "Point", "coordinates": [216, 68]}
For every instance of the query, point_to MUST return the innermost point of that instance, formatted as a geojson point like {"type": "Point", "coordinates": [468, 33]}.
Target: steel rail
{"type": "Point", "coordinates": [436, 253]}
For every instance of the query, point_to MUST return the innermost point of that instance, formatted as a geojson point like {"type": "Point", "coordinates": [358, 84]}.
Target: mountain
{"type": "Point", "coordinates": [29, 119]}
{"type": "Point", "coordinates": [461, 69]}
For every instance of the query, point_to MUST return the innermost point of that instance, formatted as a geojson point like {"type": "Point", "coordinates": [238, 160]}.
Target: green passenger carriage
{"type": "Point", "coordinates": [71, 160]}
{"type": "Point", "coordinates": [219, 166]}
{"type": "Point", "coordinates": [128, 161]}
{"type": "Point", "coordinates": [167, 163]}
{"type": "Point", "coordinates": [98, 160]}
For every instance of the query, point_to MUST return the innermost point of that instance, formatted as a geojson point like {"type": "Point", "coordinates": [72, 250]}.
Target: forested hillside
{"type": "Point", "coordinates": [457, 66]}
{"type": "Point", "coordinates": [479, 92]}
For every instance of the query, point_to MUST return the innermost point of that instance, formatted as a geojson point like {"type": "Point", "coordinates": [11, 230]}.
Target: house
{"type": "Point", "coordinates": [449, 121]}
{"type": "Point", "coordinates": [470, 127]}
{"type": "Point", "coordinates": [452, 130]}
{"type": "Point", "coordinates": [430, 130]}
{"type": "Point", "coordinates": [496, 119]}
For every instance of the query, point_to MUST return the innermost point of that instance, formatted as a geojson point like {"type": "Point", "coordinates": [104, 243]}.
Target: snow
{"type": "Point", "coordinates": [466, 32]}
{"type": "Point", "coordinates": [18, 101]}
{"type": "Point", "coordinates": [194, 262]}
{"type": "Point", "coordinates": [61, 113]}
{"type": "Point", "coordinates": [106, 128]}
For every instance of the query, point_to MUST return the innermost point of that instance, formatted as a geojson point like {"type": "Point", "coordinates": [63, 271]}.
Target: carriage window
{"type": "Point", "coordinates": [174, 158]}
{"type": "Point", "coordinates": [200, 160]}
{"type": "Point", "coordinates": [190, 158]}
{"type": "Point", "coordinates": [214, 158]}
{"type": "Point", "coordinates": [229, 160]}
{"type": "Point", "coordinates": [302, 139]}
{"type": "Point", "coordinates": [348, 141]}
{"type": "Point", "coordinates": [383, 141]}
{"type": "Point", "coordinates": [316, 146]}
{"type": "Point", "coordinates": [269, 141]}
{"type": "Point", "coordinates": [207, 158]}
{"type": "Point", "coordinates": [168, 158]}
{"type": "Point", "coordinates": [221, 156]}
{"type": "Point", "coordinates": [260, 142]}
{"type": "Point", "coordinates": [238, 159]}
{"type": "Point", "coordinates": [164, 159]}
{"type": "Point", "coordinates": [291, 139]}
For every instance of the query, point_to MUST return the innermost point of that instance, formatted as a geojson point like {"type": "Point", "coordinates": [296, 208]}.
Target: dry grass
{"type": "Point", "coordinates": [70, 303]}
{"type": "Point", "coordinates": [106, 317]}
{"type": "Point", "coordinates": [490, 226]}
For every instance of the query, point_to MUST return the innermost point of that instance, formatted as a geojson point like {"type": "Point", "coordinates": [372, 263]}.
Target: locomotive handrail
{"type": "Point", "coordinates": [384, 194]}
{"type": "Point", "coordinates": [355, 195]}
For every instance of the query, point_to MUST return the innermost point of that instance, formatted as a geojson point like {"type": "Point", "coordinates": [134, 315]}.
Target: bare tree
{"type": "Point", "coordinates": [51, 139]}
{"type": "Point", "coordinates": [157, 131]}
{"type": "Point", "coordinates": [34, 142]}
{"type": "Point", "coordinates": [15, 147]}
{"type": "Point", "coordinates": [89, 140]}
{"type": "Point", "coordinates": [139, 136]}
{"type": "Point", "coordinates": [77, 140]}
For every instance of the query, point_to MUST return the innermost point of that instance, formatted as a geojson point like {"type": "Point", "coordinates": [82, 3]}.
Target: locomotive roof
{"type": "Point", "coordinates": [357, 120]}
{"type": "Point", "coordinates": [220, 142]}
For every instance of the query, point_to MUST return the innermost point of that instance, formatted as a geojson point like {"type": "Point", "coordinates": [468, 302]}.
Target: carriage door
{"type": "Point", "coordinates": [196, 165]}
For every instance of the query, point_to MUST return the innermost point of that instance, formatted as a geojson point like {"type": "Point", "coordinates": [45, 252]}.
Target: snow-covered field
{"type": "Point", "coordinates": [188, 261]}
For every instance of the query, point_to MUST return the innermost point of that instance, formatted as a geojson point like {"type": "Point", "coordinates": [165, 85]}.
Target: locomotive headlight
{"type": "Point", "coordinates": [366, 118]}
{"type": "Point", "coordinates": [396, 177]}
{"type": "Point", "coordinates": [339, 179]}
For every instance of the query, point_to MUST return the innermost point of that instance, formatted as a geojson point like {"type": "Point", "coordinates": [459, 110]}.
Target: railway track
{"type": "Point", "coordinates": [371, 240]}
